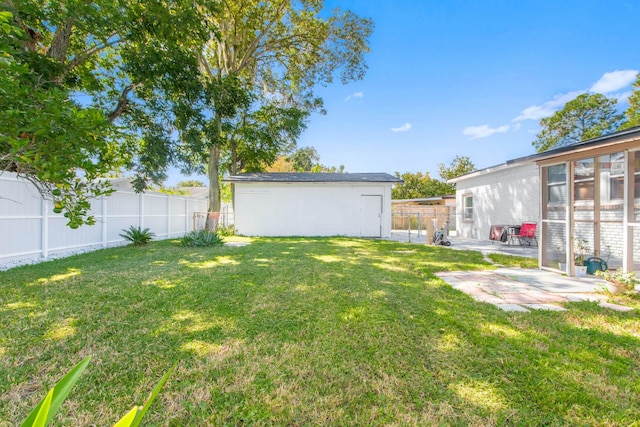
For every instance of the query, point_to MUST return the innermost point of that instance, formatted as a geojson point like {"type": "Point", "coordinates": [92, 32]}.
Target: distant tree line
{"type": "Point", "coordinates": [418, 185]}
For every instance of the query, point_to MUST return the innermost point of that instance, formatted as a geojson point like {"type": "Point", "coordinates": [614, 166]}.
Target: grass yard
{"type": "Point", "coordinates": [305, 331]}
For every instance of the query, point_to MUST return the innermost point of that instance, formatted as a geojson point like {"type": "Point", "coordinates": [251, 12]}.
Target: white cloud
{"type": "Point", "coordinates": [623, 98]}
{"type": "Point", "coordinates": [537, 112]}
{"type": "Point", "coordinates": [614, 81]}
{"type": "Point", "coordinates": [483, 131]}
{"type": "Point", "coordinates": [404, 128]}
{"type": "Point", "coordinates": [356, 95]}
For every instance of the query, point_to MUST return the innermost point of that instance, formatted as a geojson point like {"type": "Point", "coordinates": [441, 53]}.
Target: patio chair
{"type": "Point", "coordinates": [527, 234]}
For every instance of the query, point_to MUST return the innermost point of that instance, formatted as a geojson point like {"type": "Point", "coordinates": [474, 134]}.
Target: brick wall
{"type": "Point", "coordinates": [501, 195]}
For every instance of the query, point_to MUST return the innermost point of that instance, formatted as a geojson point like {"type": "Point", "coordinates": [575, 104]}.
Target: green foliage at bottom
{"type": "Point", "coordinates": [44, 412]}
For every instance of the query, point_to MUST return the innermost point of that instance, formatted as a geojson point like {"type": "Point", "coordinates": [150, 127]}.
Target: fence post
{"type": "Point", "coordinates": [141, 210]}
{"type": "Point", "coordinates": [45, 227]}
{"type": "Point", "coordinates": [104, 221]}
{"type": "Point", "coordinates": [186, 215]}
{"type": "Point", "coordinates": [168, 217]}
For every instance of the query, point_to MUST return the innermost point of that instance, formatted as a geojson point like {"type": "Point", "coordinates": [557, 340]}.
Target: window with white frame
{"type": "Point", "coordinates": [557, 184]}
{"type": "Point", "coordinates": [616, 177]}
{"type": "Point", "coordinates": [584, 180]}
{"type": "Point", "coordinates": [467, 203]}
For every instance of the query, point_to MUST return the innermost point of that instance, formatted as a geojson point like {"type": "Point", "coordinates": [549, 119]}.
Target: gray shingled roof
{"type": "Point", "coordinates": [312, 177]}
{"type": "Point", "coordinates": [605, 140]}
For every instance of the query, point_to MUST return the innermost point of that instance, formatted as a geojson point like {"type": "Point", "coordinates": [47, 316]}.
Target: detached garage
{"type": "Point", "coordinates": [313, 204]}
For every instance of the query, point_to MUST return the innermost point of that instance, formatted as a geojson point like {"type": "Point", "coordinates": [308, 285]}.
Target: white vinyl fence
{"type": "Point", "coordinates": [29, 230]}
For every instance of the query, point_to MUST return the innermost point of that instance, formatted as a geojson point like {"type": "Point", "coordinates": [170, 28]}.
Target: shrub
{"type": "Point", "coordinates": [137, 236]}
{"type": "Point", "coordinates": [226, 231]}
{"type": "Point", "coordinates": [201, 238]}
{"type": "Point", "coordinates": [626, 281]}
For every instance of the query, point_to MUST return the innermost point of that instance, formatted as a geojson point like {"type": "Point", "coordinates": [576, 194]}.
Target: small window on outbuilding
{"type": "Point", "coordinates": [467, 203]}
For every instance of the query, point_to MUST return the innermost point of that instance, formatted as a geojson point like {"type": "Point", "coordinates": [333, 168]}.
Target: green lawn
{"type": "Point", "coordinates": [305, 332]}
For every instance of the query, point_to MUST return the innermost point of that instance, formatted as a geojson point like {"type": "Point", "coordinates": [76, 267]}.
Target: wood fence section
{"type": "Point", "coordinates": [29, 229]}
{"type": "Point", "coordinates": [421, 217]}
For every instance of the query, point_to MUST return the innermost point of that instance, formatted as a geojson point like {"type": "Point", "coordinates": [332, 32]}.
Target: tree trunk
{"type": "Point", "coordinates": [214, 187]}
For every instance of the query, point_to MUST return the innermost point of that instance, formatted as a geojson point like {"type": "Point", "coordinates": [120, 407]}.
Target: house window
{"type": "Point", "coordinates": [557, 184]}
{"type": "Point", "coordinates": [616, 177]}
{"type": "Point", "coordinates": [583, 176]}
{"type": "Point", "coordinates": [468, 208]}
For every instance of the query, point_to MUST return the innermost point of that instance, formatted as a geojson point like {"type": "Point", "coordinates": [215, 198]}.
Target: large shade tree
{"type": "Point", "coordinates": [257, 73]}
{"type": "Point", "coordinates": [587, 116]}
{"type": "Point", "coordinates": [74, 108]}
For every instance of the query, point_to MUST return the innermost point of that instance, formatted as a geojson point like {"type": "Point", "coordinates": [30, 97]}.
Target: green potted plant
{"type": "Point", "coordinates": [581, 250]}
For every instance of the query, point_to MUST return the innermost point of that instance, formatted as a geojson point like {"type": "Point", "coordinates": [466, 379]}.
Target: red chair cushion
{"type": "Point", "coordinates": [528, 229]}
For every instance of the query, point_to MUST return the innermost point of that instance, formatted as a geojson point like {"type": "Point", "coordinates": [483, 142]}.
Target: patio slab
{"type": "Point", "coordinates": [522, 290]}
{"type": "Point", "coordinates": [461, 243]}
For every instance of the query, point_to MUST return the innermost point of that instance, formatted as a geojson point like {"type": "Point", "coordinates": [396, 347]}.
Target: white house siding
{"type": "Point", "coordinates": [502, 195]}
{"type": "Point", "coordinates": [312, 209]}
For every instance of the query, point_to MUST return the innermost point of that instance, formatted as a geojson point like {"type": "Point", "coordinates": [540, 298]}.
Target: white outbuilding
{"type": "Point", "coordinates": [313, 204]}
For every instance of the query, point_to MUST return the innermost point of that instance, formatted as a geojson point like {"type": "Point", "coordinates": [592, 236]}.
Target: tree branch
{"type": "Point", "coordinates": [254, 44]}
{"type": "Point", "coordinates": [61, 39]}
{"type": "Point", "coordinates": [123, 102]}
{"type": "Point", "coordinates": [83, 56]}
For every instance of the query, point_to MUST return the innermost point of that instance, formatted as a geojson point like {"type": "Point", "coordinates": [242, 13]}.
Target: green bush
{"type": "Point", "coordinates": [137, 236]}
{"type": "Point", "coordinates": [627, 281]}
{"type": "Point", "coordinates": [226, 231]}
{"type": "Point", "coordinates": [201, 238]}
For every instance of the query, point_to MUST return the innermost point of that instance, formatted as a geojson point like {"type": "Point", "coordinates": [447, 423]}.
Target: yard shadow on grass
{"type": "Point", "coordinates": [300, 331]}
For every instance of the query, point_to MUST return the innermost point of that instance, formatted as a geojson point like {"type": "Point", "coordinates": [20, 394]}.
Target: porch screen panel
{"type": "Point", "coordinates": [635, 187]}
{"type": "Point", "coordinates": [611, 247]}
{"type": "Point", "coordinates": [636, 250]}
{"type": "Point", "coordinates": [555, 243]}
{"type": "Point", "coordinates": [634, 161]}
{"type": "Point", "coordinates": [554, 216]}
{"type": "Point", "coordinates": [611, 209]}
{"type": "Point", "coordinates": [556, 192]}
{"type": "Point", "coordinates": [584, 214]}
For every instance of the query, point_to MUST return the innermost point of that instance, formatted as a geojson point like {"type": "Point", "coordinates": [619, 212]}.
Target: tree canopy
{"type": "Point", "coordinates": [190, 183]}
{"type": "Point", "coordinates": [460, 165]}
{"type": "Point", "coordinates": [257, 71]}
{"type": "Point", "coordinates": [73, 97]}
{"type": "Point", "coordinates": [90, 88]}
{"type": "Point", "coordinates": [633, 111]}
{"type": "Point", "coordinates": [418, 185]}
{"type": "Point", "coordinates": [587, 116]}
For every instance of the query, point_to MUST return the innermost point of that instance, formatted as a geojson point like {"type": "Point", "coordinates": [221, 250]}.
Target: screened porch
{"type": "Point", "coordinates": [590, 206]}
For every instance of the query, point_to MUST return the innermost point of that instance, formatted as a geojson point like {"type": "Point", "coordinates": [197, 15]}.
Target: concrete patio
{"type": "Point", "coordinates": [460, 243]}
{"type": "Point", "coordinates": [516, 289]}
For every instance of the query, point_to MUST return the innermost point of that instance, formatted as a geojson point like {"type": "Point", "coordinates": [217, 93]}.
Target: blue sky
{"type": "Point", "coordinates": [470, 78]}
